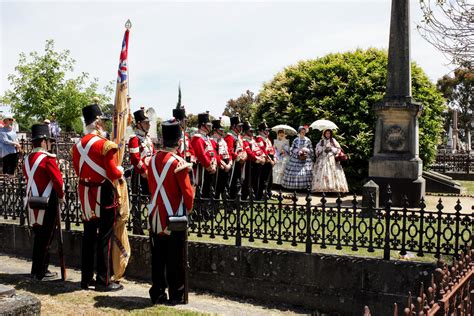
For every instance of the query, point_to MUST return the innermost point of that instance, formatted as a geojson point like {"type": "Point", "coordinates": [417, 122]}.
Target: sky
{"type": "Point", "coordinates": [214, 50]}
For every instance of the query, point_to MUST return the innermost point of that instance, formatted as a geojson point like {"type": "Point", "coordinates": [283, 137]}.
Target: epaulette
{"type": "Point", "coordinates": [108, 145]}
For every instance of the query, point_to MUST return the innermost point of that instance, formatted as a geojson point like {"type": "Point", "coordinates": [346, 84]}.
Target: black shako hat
{"type": "Point", "coordinates": [91, 113]}
{"type": "Point", "coordinates": [140, 116]}
{"type": "Point", "coordinates": [235, 120]}
{"type": "Point", "coordinates": [179, 113]}
{"type": "Point", "coordinates": [247, 127]}
{"type": "Point", "coordinates": [216, 124]}
{"type": "Point", "coordinates": [203, 118]}
{"type": "Point", "coordinates": [39, 131]}
{"type": "Point", "coordinates": [263, 126]}
{"type": "Point", "coordinates": [171, 133]}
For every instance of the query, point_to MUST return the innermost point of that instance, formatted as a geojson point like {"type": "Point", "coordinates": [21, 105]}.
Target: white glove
{"type": "Point", "coordinates": [61, 202]}
{"type": "Point", "coordinates": [120, 168]}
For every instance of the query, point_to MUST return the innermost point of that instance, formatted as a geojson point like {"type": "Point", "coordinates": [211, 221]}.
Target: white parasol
{"type": "Point", "coordinates": [323, 125]}
{"type": "Point", "coordinates": [225, 121]}
{"type": "Point", "coordinates": [288, 129]}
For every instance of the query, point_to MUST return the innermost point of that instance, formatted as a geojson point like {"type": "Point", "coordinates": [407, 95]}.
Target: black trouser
{"type": "Point", "coordinates": [252, 174]}
{"type": "Point", "coordinates": [167, 265]}
{"type": "Point", "coordinates": [265, 181]}
{"type": "Point", "coordinates": [221, 182]}
{"type": "Point", "coordinates": [10, 162]}
{"type": "Point", "coordinates": [207, 181]}
{"type": "Point", "coordinates": [43, 237]}
{"type": "Point", "coordinates": [139, 182]}
{"type": "Point", "coordinates": [97, 240]}
{"type": "Point", "coordinates": [236, 174]}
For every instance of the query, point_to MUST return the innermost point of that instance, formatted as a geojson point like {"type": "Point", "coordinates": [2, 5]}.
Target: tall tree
{"type": "Point", "coordinates": [448, 25]}
{"type": "Point", "coordinates": [39, 87]}
{"type": "Point", "coordinates": [244, 105]}
{"type": "Point", "coordinates": [459, 92]}
{"type": "Point", "coordinates": [342, 88]}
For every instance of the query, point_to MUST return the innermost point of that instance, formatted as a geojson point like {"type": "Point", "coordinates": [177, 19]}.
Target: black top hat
{"type": "Point", "coordinates": [171, 132]}
{"type": "Point", "coordinates": [203, 118]}
{"type": "Point", "coordinates": [179, 113]}
{"type": "Point", "coordinates": [216, 124]}
{"type": "Point", "coordinates": [93, 112]}
{"type": "Point", "coordinates": [235, 120]}
{"type": "Point", "coordinates": [39, 131]}
{"type": "Point", "coordinates": [263, 126]}
{"type": "Point", "coordinates": [140, 116]}
{"type": "Point", "coordinates": [247, 127]}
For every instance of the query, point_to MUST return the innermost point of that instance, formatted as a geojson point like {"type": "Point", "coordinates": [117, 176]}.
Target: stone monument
{"type": "Point", "coordinates": [396, 154]}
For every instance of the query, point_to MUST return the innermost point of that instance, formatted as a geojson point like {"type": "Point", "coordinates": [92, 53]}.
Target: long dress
{"type": "Point", "coordinates": [328, 175]}
{"type": "Point", "coordinates": [282, 148]}
{"type": "Point", "coordinates": [298, 173]}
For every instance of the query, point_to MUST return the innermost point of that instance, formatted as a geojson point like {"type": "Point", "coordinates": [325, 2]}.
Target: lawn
{"type": "Point", "coordinates": [468, 186]}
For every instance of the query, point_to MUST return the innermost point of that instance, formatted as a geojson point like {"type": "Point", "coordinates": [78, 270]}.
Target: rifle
{"type": "Point", "coordinates": [191, 174]}
{"type": "Point", "coordinates": [62, 262]}
{"type": "Point", "coordinates": [60, 243]}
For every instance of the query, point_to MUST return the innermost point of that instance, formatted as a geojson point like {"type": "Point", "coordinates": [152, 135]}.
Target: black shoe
{"type": "Point", "coordinates": [160, 299]}
{"type": "Point", "coordinates": [111, 287]}
{"type": "Point", "coordinates": [177, 301]}
{"type": "Point", "coordinates": [85, 285]}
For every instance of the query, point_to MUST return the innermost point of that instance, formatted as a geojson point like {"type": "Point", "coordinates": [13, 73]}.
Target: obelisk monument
{"type": "Point", "coordinates": [396, 150]}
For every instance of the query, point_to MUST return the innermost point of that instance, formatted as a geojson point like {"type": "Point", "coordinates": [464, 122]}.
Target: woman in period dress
{"type": "Point", "coordinates": [328, 175]}
{"type": "Point", "coordinates": [298, 170]}
{"type": "Point", "coordinates": [282, 148]}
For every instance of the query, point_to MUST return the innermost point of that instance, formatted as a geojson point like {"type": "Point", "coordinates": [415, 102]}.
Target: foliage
{"type": "Point", "coordinates": [459, 92]}
{"type": "Point", "coordinates": [39, 86]}
{"type": "Point", "coordinates": [449, 26]}
{"type": "Point", "coordinates": [243, 105]}
{"type": "Point", "coordinates": [342, 88]}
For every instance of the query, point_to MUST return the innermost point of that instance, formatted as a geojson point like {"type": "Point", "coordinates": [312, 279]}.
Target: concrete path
{"type": "Point", "coordinates": [67, 298]}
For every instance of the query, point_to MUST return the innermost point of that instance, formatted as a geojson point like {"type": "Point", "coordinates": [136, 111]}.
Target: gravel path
{"type": "Point", "coordinates": [67, 298]}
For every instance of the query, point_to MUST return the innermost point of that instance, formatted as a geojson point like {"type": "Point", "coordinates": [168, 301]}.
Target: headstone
{"type": "Point", "coordinates": [396, 160]}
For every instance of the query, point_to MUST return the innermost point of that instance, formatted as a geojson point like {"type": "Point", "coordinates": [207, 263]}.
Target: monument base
{"type": "Point", "coordinates": [413, 189]}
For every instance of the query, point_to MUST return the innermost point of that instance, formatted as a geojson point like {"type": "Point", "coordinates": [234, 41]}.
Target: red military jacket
{"type": "Point", "coordinates": [42, 176]}
{"type": "Point", "coordinates": [265, 145]}
{"type": "Point", "coordinates": [189, 148]}
{"type": "Point", "coordinates": [252, 149]}
{"type": "Point", "coordinates": [141, 149]}
{"type": "Point", "coordinates": [93, 158]}
{"type": "Point", "coordinates": [234, 144]}
{"type": "Point", "coordinates": [170, 187]}
{"type": "Point", "coordinates": [203, 149]}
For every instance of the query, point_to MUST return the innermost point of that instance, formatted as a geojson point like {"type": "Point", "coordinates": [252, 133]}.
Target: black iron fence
{"type": "Point", "coordinates": [454, 163]}
{"type": "Point", "coordinates": [288, 219]}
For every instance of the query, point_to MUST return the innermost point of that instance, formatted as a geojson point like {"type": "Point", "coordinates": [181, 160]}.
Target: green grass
{"type": "Point", "coordinates": [469, 186]}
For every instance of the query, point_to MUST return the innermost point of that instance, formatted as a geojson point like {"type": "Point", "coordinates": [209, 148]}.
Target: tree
{"type": "Point", "coordinates": [243, 105]}
{"type": "Point", "coordinates": [449, 26]}
{"type": "Point", "coordinates": [342, 88]}
{"type": "Point", "coordinates": [459, 92]}
{"type": "Point", "coordinates": [39, 87]}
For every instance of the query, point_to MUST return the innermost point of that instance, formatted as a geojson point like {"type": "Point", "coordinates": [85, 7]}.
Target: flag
{"type": "Point", "coordinates": [121, 245]}
{"type": "Point", "coordinates": [178, 105]}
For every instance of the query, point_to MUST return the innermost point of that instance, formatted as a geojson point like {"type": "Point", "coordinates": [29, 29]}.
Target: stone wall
{"type": "Point", "coordinates": [326, 283]}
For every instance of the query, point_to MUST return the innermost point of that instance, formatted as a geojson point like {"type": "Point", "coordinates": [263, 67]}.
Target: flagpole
{"type": "Point", "coordinates": [128, 26]}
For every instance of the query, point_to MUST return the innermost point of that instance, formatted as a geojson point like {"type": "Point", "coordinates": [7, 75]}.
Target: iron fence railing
{"type": "Point", "coordinates": [453, 163]}
{"type": "Point", "coordinates": [286, 219]}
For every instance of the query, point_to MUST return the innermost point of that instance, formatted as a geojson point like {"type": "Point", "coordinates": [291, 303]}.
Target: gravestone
{"type": "Point", "coordinates": [396, 160]}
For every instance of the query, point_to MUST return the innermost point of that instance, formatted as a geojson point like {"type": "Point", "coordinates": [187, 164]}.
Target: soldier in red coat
{"type": "Point", "coordinates": [205, 155]}
{"type": "Point", "coordinates": [44, 179]}
{"type": "Point", "coordinates": [255, 160]}
{"type": "Point", "coordinates": [266, 179]}
{"type": "Point", "coordinates": [237, 154]}
{"type": "Point", "coordinates": [185, 149]}
{"type": "Point", "coordinates": [93, 159]}
{"type": "Point", "coordinates": [140, 147]}
{"type": "Point", "coordinates": [172, 196]}
{"type": "Point", "coordinates": [224, 163]}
